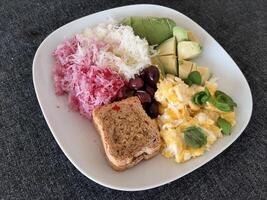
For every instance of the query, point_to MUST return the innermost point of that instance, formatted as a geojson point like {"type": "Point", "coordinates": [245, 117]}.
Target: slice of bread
{"type": "Point", "coordinates": [128, 134]}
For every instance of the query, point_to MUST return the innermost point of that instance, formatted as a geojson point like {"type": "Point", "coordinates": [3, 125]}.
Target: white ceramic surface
{"type": "Point", "coordinates": [77, 137]}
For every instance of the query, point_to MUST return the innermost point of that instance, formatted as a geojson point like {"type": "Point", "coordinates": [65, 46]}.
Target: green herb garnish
{"type": "Point", "coordinates": [195, 77]}
{"type": "Point", "coordinates": [224, 125]}
{"type": "Point", "coordinates": [188, 82]}
{"type": "Point", "coordinates": [223, 102]}
{"type": "Point", "coordinates": [221, 106]}
{"type": "Point", "coordinates": [222, 97]}
{"type": "Point", "coordinates": [201, 97]}
{"type": "Point", "coordinates": [195, 137]}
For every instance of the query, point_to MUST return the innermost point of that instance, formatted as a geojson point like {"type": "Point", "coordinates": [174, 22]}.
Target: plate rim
{"type": "Point", "coordinates": [169, 180]}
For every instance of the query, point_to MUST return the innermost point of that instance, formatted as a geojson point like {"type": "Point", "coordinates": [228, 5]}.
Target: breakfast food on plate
{"type": "Point", "coordinates": [143, 86]}
{"type": "Point", "coordinates": [119, 49]}
{"type": "Point", "coordinates": [121, 75]}
{"type": "Point", "coordinates": [107, 55]}
{"type": "Point", "coordinates": [189, 118]}
{"type": "Point", "coordinates": [127, 133]}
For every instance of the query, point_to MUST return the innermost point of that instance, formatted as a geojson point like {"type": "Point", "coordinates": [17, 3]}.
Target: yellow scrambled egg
{"type": "Point", "coordinates": [178, 112]}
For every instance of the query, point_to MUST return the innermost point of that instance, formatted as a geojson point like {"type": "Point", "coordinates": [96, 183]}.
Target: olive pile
{"type": "Point", "coordinates": [144, 87]}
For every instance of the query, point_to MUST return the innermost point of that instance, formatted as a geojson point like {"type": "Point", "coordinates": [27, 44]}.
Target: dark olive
{"type": "Point", "coordinates": [152, 75]}
{"type": "Point", "coordinates": [136, 83]}
{"type": "Point", "coordinates": [136, 76]}
{"type": "Point", "coordinates": [150, 90]}
{"type": "Point", "coordinates": [122, 93]}
{"type": "Point", "coordinates": [143, 96]}
{"type": "Point", "coordinates": [143, 74]}
{"type": "Point", "coordinates": [129, 93]}
{"type": "Point", "coordinates": [153, 110]}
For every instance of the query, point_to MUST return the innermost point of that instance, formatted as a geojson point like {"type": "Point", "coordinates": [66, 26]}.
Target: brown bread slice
{"type": "Point", "coordinates": [128, 134]}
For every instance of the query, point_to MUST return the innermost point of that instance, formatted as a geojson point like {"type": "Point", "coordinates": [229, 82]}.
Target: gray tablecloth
{"type": "Point", "coordinates": [32, 166]}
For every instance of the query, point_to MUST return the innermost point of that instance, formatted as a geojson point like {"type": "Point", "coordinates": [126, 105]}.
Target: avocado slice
{"type": "Point", "coordinates": [180, 33]}
{"type": "Point", "coordinates": [188, 50]}
{"type": "Point", "coordinates": [154, 29]}
{"type": "Point", "coordinates": [157, 29]}
{"type": "Point", "coordinates": [170, 64]}
{"type": "Point", "coordinates": [127, 21]}
{"type": "Point", "coordinates": [192, 37]}
{"type": "Point", "coordinates": [185, 67]}
{"type": "Point", "coordinates": [168, 47]}
{"type": "Point", "coordinates": [156, 61]}
{"type": "Point", "coordinates": [205, 73]}
{"type": "Point", "coordinates": [194, 67]}
{"type": "Point", "coordinates": [138, 26]}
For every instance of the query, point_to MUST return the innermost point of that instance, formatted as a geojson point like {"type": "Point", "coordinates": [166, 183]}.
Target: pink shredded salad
{"type": "Point", "coordinates": [76, 74]}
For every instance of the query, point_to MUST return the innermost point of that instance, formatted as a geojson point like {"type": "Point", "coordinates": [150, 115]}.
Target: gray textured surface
{"type": "Point", "coordinates": [32, 166]}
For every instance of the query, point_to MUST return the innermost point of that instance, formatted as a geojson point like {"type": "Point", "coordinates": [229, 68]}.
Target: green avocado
{"type": "Point", "coordinates": [170, 64]}
{"type": "Point", "coordinates": [138, 27]}
{"type": "Point", "coordinates": [185, 67]}
{"type": "Point", "coordinates": [127, 21]}
{"type": "Point", "coordinates": [154, 29]}
{"type": "Point", "coordinates": [168, 47]}
{"type": "Point", "coordinates": [167, 59]}
{"type": "Point", "coordinates": [180, 33]}
{"type": "Point", "coordinates": [204, 72]}
{"type": "Point", "coordinates": [156, 61]}
{"type": "Point", "coordinates": [188, 50]}
{"type": "Point", "coordinates": [192, 37]}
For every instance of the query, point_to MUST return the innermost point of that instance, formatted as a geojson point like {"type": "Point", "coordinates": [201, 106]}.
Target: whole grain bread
{"type": "Point", "coordinates": [128, 134]}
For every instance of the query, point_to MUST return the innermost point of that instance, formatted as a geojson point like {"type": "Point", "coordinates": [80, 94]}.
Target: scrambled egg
{"type": "Point", "coordinates": [177, 112]}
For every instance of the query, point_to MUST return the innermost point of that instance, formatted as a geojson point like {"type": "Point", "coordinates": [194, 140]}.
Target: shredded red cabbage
{"type": "Point", "coordinates": [76, 74]}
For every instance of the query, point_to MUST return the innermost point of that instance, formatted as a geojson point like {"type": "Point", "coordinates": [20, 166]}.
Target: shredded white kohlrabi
{"type": "Point", "coordinates": [127, 53]}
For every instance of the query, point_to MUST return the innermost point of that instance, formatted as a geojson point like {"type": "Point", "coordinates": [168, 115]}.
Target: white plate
{"type": "Point", "coordinates": [77, 137]}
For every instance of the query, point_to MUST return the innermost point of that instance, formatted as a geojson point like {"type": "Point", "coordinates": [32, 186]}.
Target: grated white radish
{"type": "Point", "coordinates": [128, 54]}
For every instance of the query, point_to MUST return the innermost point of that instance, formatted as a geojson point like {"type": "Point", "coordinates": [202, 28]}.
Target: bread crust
{"type": "Point", "coordinates": [146, 147]}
